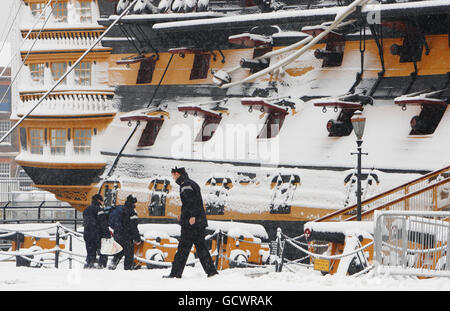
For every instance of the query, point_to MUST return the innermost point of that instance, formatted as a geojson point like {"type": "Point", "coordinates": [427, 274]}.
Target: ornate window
{"type": "Point", "coordinates": [85, 12]}
{"type": "Point", "coordinates": [37, 141]}
{"type": "Point", "coordinates": [58, 70]}
{"type": "Point", "coordinates": [58, 141]}
{"type": "Point", "coordinates": [36, 10]}
{"type": "Point", "coordinates": [82, 141]}
{"type": "Point", "coordinates": [60, 12]}
{"type": "Point", "coordinates": [83, 74]}
{"type": "Point", "coordinates": [37, 73]}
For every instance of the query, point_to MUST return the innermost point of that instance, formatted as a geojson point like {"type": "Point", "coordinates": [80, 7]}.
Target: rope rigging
{"type": "Point", "coordinates": [38, 19]}
{"type": "Point", "coordinates": [307, 44]}
{"type": "Point", "coordinates": [116, 160]}
{"type": "Point", "coordinates": [29, 51]}
{"type": "Point", "coordinates": [67, 72]}
{"type": "Point", "coordinates": [10, 27]}
{"type": "Point", "coordinates": [7, 22]}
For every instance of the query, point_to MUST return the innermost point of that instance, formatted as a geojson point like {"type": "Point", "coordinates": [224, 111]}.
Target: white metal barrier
{"type": "Point", "coordinates": [412, 243]}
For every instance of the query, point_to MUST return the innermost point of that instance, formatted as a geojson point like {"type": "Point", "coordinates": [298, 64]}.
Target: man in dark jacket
{"type": "Point", "coordinates": [95, 228]}
{"type": "Point", "coordinates": [193, 223]}
{"type": "Point", "coordinates": [127, 234]}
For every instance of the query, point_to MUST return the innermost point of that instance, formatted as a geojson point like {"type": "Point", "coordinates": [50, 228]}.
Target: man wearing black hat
{"type": "Point", "coordinates": [126, 233]}
{"type": "Point", "coordinates": [95, 228]}
{"type": "Point", "coordinates": [193, 223]}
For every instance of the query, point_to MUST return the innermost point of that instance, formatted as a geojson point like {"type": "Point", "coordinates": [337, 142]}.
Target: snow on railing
{"type": "Point", "coordinates": [434, 197]}
{"type": "Point", "coordinates": [29, 254]}
{"type": "Point", "coordinates": [347, 256]}
{"type": "Point", "coordinates": [75, 104]}
{"type": "Point", "coordinates": [64, 232]}
{"type": "Point", "coordinates": [412, 243]}
{"type": "Point", "coordinates": [67, 43]}
{"type": "Point", "coordinates": [392, 195]}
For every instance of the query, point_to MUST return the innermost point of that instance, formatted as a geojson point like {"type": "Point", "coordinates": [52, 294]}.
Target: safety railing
{"type": "Point", "coordinates": [39, 212]}
{"type": "Point", "coordinates": [219, 237]}
{"type": "Point", "coordinates": [57, 254]}
{"type": "Point", "coordinates": [394, 194]}
{"type": "Point", "coordinates": [412, 243]}
{"type": "Point", "coordinates": [41, 256]}
{"type": "Point", "coordinates": [306, 254]}
{"type": "Point", "coordinates": [435, 197]}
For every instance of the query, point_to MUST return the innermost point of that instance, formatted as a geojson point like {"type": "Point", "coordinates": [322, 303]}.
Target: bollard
{"type": "Point", "coordinates": [280, 252]}
{"type": "Point", "coordinates": [57, 245]}
{"type": "Point", "coordinates": [17, 249]}
{"type": "Point", "coordinates": [4, 210]}
{"type": "Point", "coordinates": [218, 246]}
{"type": "Point", "coordinates": [20, 262]}
{"type": "Point", "coordinates": [282, 257]}
{"type": "Point", "coordinates": [70, 249]}
{"type": "Point", "coordinates": [75, 221]}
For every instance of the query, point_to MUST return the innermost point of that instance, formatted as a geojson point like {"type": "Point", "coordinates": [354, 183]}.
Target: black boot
{"type": "Point", "coordinates": [213, 274]}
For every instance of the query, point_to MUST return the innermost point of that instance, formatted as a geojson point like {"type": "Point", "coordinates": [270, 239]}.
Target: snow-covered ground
{"type": "Point", "coordinates": [243, 279]}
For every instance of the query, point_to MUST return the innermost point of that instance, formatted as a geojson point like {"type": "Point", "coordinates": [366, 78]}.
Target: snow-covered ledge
{"type": "Point", "coordinates": [338, 230]}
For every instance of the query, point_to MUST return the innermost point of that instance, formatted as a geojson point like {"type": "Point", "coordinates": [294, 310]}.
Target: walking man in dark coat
{"type": "Point", "coordinates": [127, 234]}
{"type": "Point", "coordinates": [193, 223]}
{"type": "Point", "coordinates": [95, 225]}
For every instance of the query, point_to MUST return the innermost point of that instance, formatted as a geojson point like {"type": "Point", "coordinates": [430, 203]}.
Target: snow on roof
{"type": "Point", "coordinates": [271, 17]}
{"type": "Point", "coordinates": [292, 16]}
{"type": "Point", "coordinates": [164, 17]}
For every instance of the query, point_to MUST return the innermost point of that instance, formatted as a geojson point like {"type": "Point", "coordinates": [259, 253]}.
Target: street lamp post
{"type": "Point", "coordinates": [358, 122]}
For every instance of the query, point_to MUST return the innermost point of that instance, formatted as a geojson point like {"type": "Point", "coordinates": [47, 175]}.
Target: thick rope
{"type": "Point", "coordinates": [21, 253]}
{"type": "Point", "coordinates": [69, 70]}
{"type": "Point", "coordinates": [302, 243]}
{"type": "Point", "coordinates": [363, 271]}
{"type": "Point", "coordinates": [329, 257]}
{"type": "Point", "coordinates": [31, 230]}
{"type": "Point", "coordinates": [71, 231]}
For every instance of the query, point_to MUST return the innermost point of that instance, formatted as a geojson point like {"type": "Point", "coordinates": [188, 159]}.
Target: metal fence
{"type": "Point", "coordinates": [10, 188]}
{"type": "Point", "coordinates": [36, 212]}
{"type": "Point", "coordinates": [412, 243]}
{"type": "Point", "coordinates": [20, 201]}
